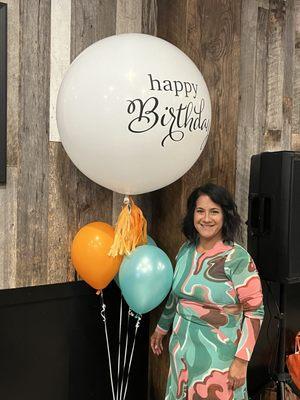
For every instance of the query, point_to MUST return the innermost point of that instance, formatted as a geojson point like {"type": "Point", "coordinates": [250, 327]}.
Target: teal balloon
{"type": "Point", "coordinates": [150, 241]}
{"type": "Point", "coordinates": [145, 278]}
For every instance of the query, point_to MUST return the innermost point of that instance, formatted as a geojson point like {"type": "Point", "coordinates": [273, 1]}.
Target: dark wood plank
{"type": "Point", "coordinates": [91, 21]}
{"type": "Point", "coordinates": [32, 220]}
{"type": "Point", "coordinates": [149, 17]}
{"type": "Point", "coordinates": [215, 48]}
{"type": "Point", "coordinates": [13, 76]}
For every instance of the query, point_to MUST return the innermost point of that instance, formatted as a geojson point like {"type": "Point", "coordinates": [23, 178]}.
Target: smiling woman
{"type": "Point", "coordinates": [208, 221]}
{"type": "Point", "coordinates": [215, 305]}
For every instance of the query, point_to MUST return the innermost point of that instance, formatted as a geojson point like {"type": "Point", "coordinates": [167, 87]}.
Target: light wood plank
{"type": "Point", "coordinates": [32, 220]}
{"type": "Point", "coordinates": [62, 221]}
{"type": "Point", "coordinates": [260, 81]}
{"type": "Point", "coordinates": [8, 230]}
{"type": "Point", "coordinates": [129, 16]}
{"type": "Point", "coordinates": [60, 56]}
{"type": "Point", "coordinates": [296, 75]}
{"type": "Point", "coordinates": [13, 76]}
{"type": "Point", "coordinates": [275, 77]}
{"type": "Point", "coordinates": [295, 146]}
{"type": "Point", "coordinates": [288, 73]}
{"type": "Point", "coordinates": [246, 143]}
{"type": "Point", "coordinates": [263, 4]}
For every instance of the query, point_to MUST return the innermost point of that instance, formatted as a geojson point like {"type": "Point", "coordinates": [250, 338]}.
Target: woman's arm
{"type": "Point", "coordinates": [163, 325]}
{"type": "Point", "coordinates": [247, 285]}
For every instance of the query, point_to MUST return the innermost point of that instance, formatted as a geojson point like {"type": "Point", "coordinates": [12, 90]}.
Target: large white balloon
{"type": "Point", "coordinates": [133, 113]}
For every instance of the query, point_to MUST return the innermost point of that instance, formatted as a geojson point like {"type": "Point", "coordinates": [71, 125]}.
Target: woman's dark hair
{"type": "Point", "coordinates": [219, 195]}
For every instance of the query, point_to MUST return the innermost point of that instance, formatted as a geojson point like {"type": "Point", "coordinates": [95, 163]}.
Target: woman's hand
{"type": "Point", "coordinates": [237, 373]}
{"type": "Point", "coordinates": [156, 342]}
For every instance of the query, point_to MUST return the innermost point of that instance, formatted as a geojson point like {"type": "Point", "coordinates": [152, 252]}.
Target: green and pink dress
{"type": "Point", "coordinates": [216, 310]}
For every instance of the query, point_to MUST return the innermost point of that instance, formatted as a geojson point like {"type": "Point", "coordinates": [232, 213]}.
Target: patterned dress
{"type": "Point", "coordinates": [216, 310]}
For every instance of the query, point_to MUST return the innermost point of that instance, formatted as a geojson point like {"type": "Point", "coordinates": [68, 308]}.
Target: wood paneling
{"type": "Point", "coordinates": [266, 86]}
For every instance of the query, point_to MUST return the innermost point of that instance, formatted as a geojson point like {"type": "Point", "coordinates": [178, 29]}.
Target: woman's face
{"type": "Point", "coordinates": [208, 218]}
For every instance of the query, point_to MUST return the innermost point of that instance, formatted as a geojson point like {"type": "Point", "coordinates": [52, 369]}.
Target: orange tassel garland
{"type": "Point", "coordinates": [130, 230]}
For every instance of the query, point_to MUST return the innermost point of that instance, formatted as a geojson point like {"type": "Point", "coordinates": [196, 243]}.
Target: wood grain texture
{"type": "Point", "coordinates": [60, 56]}
{"type": "Point", "coordinates": [8, 230]}
{"type": "Point", "coordinates": [62, 214]}
{"type": "Point", "coordinates": [32, 197]}
{"type": "Point", "coordinates": [149, 17]}
{"type": "Point", "coordinates": [296, 74]}
{"type": "Point", "coordinates": [91, 21]}
{"type": "Point", "coordinates": [13, 75]}
{"type": "Point", "coordinates": [288, 74]}
{"type": "Point", "coordinates": [280, 61]}
{"type": "Point", "coordinates": [275, 76]}
{"type": "Point", "coordinates": [216, 51]}
{"type": "Point", "coordinates": [246, 143]}
{"type": "Point", "coordinates": [260, 99]}
{"type": "Point", "coordinates": [129, 16]}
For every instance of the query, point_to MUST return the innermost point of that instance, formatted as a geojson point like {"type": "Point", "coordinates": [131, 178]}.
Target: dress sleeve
{"type": "Point", "coordinates": [247, 285]}
{"type": "Point", "coordinates": [167, 315]}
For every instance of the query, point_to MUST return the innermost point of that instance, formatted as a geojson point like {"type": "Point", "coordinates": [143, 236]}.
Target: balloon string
{"type": "Point", "coordinates": [119, 351]}
{"type": "Point", "coordinates": [102, 312]}
{"type": "Point", "coordinates": [125, 354]}
{"type": "Point", "coordinates": [139, 317]}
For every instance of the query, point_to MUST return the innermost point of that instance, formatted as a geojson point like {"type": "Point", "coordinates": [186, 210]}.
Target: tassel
{"type": "Point", "coordinates": [130, 230]}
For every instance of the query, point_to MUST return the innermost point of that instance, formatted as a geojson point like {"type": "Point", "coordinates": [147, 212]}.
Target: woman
{"type": "Point", "coordinates": [215, 306]}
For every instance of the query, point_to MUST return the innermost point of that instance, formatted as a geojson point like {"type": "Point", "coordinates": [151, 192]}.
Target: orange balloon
{"type": "Point", "coordinates": [90, 257]}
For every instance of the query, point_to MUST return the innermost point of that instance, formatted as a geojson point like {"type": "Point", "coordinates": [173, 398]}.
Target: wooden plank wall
{"type": "Point", "coordinates": [269, 86]}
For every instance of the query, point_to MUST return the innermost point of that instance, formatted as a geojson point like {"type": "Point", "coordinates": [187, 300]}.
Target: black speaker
{"type": "Point", "coordinates": [274, 215]}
